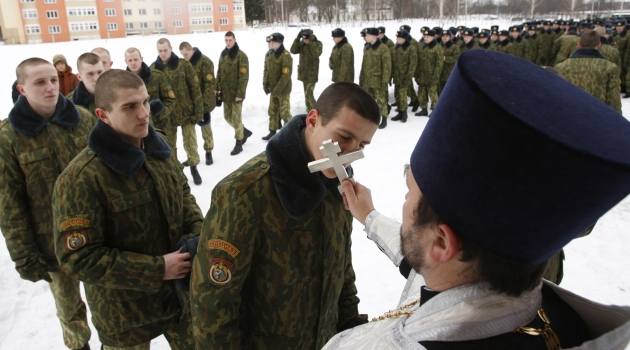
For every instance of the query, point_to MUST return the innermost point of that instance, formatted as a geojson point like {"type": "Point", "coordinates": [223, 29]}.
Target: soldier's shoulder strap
{"type": "Point", "coordinates": [248, 174]}
{"type": "Point", "coordinates": [79, 163]}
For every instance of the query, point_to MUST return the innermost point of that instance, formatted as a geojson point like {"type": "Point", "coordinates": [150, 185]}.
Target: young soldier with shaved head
{"type": "Point", "coordinates": [90, 69]}
{"type": "Point", "coordinates": [122, 211]}
{"type": "Point", "coordinates": [42, 135]}
{"type": "Point", "coordinates": [105, 57]}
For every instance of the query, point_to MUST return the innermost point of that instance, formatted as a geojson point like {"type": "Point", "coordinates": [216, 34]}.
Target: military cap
{"type": "Point", "coordinates": [494, 27]}
{"type": "Point", "coordinates": [402, 34]}
{"type": "Point", "coordinates": [306, 33]}
{"type": "Point", "coordinates": [504, 33]}
{"type": "Point", "coordinates": [584, 24]}
{"type": "Point", "coordinates": [276, 37]}
{"type": "Point", "coordinates": [448, 32]}
{"type": "Point", "coordinates": [572, 29]}
{"type": "Point", "coordinates": [598, 21]}
{"type": "Point", "coordinates": [428, 32]}
{"type": "Point", "coordinates": [531, 28]}
{"type": "Point", "coordinates": [547, 23]}
{"type": "Point", "coordinates": [483, 35]}
{"type": "Point", "coordinates": [608, 30]}
{"type": "Point", "coordinates": [453, 30]}
{"type": "Point", "coordinates": [461, 27]}
{"type": "Point", "coordinates": [620, 23]}
{"type": "Point", "coordinates": [468, 31]}
{"type": "Point", "coordinates": [371, 31]}
{"type": "Point", "coordinates": [516, 29]}
{"type": "Point", "coordinates": [338, 33]}
{"type": "Point", "coordinates": [589, 20]}
{"type": "Point", "coordinates": [438, 30]}
{"type": "Point", "coordinates": [423, 29]}
{"type": "Point", "coordinates": [363, 32]}
{"type": "Point", "coordinates": [475, 30]}
{"type": "Point", "coordinates": [557, 22]}
{"type": "Point", "coordinates": [381, 30]}
{"type": "Point", "coordinates": [487, 31]}
{"type": "Point", "coordinates": [406, 28]}
{"type": "Point", "coordinates": [494, 32]}
{"type": "Point", "coordinates": [539, 170]}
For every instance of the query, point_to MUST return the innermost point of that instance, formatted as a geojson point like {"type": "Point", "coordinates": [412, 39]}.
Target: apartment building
{"type": "Point", "coordinates": [37, 21]}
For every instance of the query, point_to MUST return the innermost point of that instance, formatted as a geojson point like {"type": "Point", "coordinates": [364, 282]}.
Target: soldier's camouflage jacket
{"type": "Point", "coordinates": [205, 74]}
{"type": "Point", "coordinates": [520, 48]}
{"type": "Point", "coordinates": [158, 87]}
{"type": "Point", "coordinates": [183, 79]}
{"type": "Point", "coordinates": [612, 55]}
{"type": "Point", "coordinates": [342, 62]}
{"type": "Point", "coordinates": [117, 210]}
{"type": "Point", "coordinates": [233, 74]}
{"type": "Point", "coordinates": [622, 45]}
{"type": "Point", "coordinates": [589, 69]}
{"type": "Point", "coordinates": [404, 62]}
{"type": "Point", "coordinates": [274, 269]}
{"type": "Point", "coordinates": [463, 47]}
{"type": "Point", "coordinates": [390, 44]}
{"type": "Point", "coordinates": [451, 53]}
{"type": "Point", "coordinates": [81, 97]}
{"type": "Point", "coordinates": [376, 68]}
{"type": "Point", "coordinates": [534, 45]}
{"type": "Point", "coordinates": [545, 55]}
{"type": "Point", "coordinates": [33, 152]}
{"type": "Point", "coordinates": [278, 71]}
{"type": "Point", "coordinates": [430, 63]}
{"type": "Point", "coordinates": [308, 66]}
{"type": "Point", "coordinates": [504, 46]}
{"type": "Point", "coordinates": [564, 46]}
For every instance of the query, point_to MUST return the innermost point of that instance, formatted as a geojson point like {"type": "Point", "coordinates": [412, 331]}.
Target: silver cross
{"type": "Point", "coordinates": [330, 151]}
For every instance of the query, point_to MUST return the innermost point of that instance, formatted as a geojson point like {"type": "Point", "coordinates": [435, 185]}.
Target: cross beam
{"type": "Point", "coordinates": [333, 160]}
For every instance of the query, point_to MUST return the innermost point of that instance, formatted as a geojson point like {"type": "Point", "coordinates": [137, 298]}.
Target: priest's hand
{"type": "Point", "coordinates": [358, 199]}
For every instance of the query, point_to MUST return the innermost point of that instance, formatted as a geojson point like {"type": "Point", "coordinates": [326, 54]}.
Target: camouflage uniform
{"type": "Point", "coordinates": [564, 46]}
{"type": "Point", "coordinates": [411, 91]}
{"type": "Point", "coordinates": [117, 210]}
{"type": "Point", "coordinates": [520, 48]}
{"type": "Point", "coordinates": [463, 47]}
{"type": "Point", "coordinates": [185, 84]}
{"type": "Point", "coordinates": [342, 62]}
{"type": "Point", "coordinates": [430, 63]}
{"type": "Point", "coordinates": [622, 44]}
{"type": "Point", "coordinates": [308, 67]}
{"type": "Point", "coordinates": [33, 152]}
{"type": "Point", "coordinates": [534, 46]}
{"type": "Point", "coordinates": [232, 78]}
{"type": "Point", "coordinates": [504, 46]}
{"type": "Point", "coordinates": [81, 97]}
{"type": "Point", "coordinates": [205, 73]}
{"type": "Point", "coordinates": [404, 60]}
{"type": "Point", "coordinates": [589, 69]}
{"type": "Point", "coordinates": [277, 81]}
{"type": "Point", "coordinates": [375, 73]}
{"type": "Point", "coordinates": [612, 55]}
{"type": "Point", "coordinates": [545, 47]}
{"type": "Point", "coordinates": [270, 275]}
{"type": "Point", "coordinates": [451, 53]}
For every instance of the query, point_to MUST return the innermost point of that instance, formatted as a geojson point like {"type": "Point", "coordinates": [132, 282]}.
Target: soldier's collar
{"type": "Point", "coordinates": [144, 74]}
{"type": "Point", "coordinates": [432, 44]}
{"type": "Point", "coordinates": [376, 44]}
{"type": "Point", "coordinates": [120, 155]}
{"type": "Point", "coordinates": [172, 63]}
{"type": "Point", "coordinates": [279, 51]}
{"type": "Point", "coordinates": [27, 122]}
{"type": "Point", "coordinates": [342, 42]}
{"type": "Point", "coordinates": [196, 56]}
{"type": "Point", "coordinates": [587, 53]}
{"type": "Point", "coordinates": [81, 96]}
{"type": "Point", "coordinates": [231, 52]}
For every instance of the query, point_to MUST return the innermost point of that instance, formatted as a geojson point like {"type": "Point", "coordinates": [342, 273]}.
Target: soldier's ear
{"type": "Point", "coordinates": [102, 115]}
{"type": "Point", "coordinates": [312, 119]}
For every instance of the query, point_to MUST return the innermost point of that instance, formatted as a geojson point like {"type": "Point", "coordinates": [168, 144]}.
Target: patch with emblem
{"type": "Point", "coordinates": [76, 222]}
{"type": "Point", "coordinates": [243, 70]}
{"type": "Point", "coordinates": [285, 70]}
{"type": "Point", "coordinates": [76, 239]}
{"type": "Point", "coordinates": [171, 94]}
{"type": "Point", "coordinates": [220, 271]}
{"type": "Point", "coordinates": [209, 77]}
{"type": "Point", "coordinates": [224, 246]}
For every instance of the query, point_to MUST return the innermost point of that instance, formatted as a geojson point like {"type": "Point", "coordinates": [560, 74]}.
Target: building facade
{"type": "Point", "coordinates": [37, 21]}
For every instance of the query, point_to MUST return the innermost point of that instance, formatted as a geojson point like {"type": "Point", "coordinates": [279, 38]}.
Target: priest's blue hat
{"type": "Point", "coordinates": [520, 172]}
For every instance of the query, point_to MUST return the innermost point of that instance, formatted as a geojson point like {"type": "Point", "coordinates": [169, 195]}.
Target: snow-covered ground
{"type": "Point", "coordinates": [595, 266]}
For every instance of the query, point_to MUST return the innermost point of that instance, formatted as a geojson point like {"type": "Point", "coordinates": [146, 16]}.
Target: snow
{"type": "Point", "coordinates": [595, 266]}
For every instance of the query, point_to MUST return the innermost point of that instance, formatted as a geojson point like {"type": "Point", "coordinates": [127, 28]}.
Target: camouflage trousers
{"type": "Point", "coordinates": [71, 310]}
{"type": "Point", "coordinates": [411, 92]}
{"type": "Point", "coordinates": [279, 108]}
{"type": "Point", "coordinates": [232, 115]}
{"type": "Point", "coordinates": [400, 91]}
{"type": "Point", "coordinates": [308, 95]}
{"type": "Point", "coordinates": [208, 139]}
{"type": "Point", "coordinates": [171, 134]}
{"type": "Point", "coordinates": [189, 135]}
{"type": "Point", "coordinates": [179, 337]}
{"type": "Point", "coordinates": [425, 92]}
{"type": "Point", "coordinates": [381, 99]}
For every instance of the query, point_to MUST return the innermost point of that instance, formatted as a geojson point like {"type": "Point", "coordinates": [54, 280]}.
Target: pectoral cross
{"type": "Point", "coordinates": [333, 160]}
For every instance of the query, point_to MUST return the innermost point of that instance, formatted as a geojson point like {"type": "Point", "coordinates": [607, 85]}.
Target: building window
{"type": "Point", "coordinates": [207, 7]}
{"type": "Point", "coordinates": [110, 12]}
{"type": "Point", "coordinates": [142, 12]}
{"type": "Point", "coordinates": [52, 14]}
{"type": "Point", "coordinates": [108, 0]}
{"type": "Point", "coordinates": [81, 11]}
{"type": "Point", "coordinates": [238, 6]}
{"type": "Point", "coordinates": [54, 29]}
{"type": "Point", "coordinates": [128, 25]}
{"type": "Point", "coordinates": [157, 11]}
{"type": "Point", "coordinates": [144, 25]}
{"type": "Point", "coordinates": [29, 13]}
{"type": "Point", "coordinates": [83, 26]}
{"type": "Point", "coordinates": [127, 0]}
{"type": "Point", "coordinates": [112, 26]}
{"type": "Point", "coordinates": [26, 1]}
{"type": "Point", "coordinates": [32, 29]}
{"type": "Point", "coordinates": [177, 24]}
{"type": "Point", "coordinates": [177, 10]}
{"type": "Point", "coordinates": [238, 19]}
{"type": "Point", "coordinates": [158, 24]}
{"type": "Point", "coordinates": [127, 12]}
{"type": "Point", "coordinates": [222, 8]}
{"type": "Point", "coordinates": [50, 1]}
{"type": "Point", "coordinates": [194, 21]}
{"type": "Point", "coordinates": [223, 21]}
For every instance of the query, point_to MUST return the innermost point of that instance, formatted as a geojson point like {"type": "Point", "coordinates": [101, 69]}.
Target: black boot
{"type": "Point", "coordinates": [415, 105]}
{"type": "Point", "coordinates": [271, 134]}
{"type": "Point", "coordinates": [394, 104]}
{"type": "Point", "coordinates": [209, 160]}
{"type": "Point", "coordinates": [238, 148]}
{"type": "Point", "coordinates": [389, 109]}
{"type": "Point", "coordinates": [195, 175]}
{"type": "Point", "coordinates": [383, 124]}
{"type": "Point", "coordinates": [246, 135]}
{"type": "Point", "coordinates": [423, 113]}
{"type": "Point", "coordinates": [626, 95]}
{"type": "Point", "coordinates": [404, 117]}
{"type": "Point", "coordinates": [397, 117]}
{"type": "Point", "coordinates": [86, 347]}
{"type": "Point", "coordinates": [185, 163]}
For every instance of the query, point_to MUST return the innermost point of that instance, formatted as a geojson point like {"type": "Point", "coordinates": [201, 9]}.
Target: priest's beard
{"type": "Point", "coordinates": [412, 248]}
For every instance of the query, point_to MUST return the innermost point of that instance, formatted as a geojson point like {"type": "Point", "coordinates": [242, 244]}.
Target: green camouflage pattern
{"type": "Point", "coordinates": [380, 95]}
{"type": "Point", "coordinates": [159, 87]}
{"type": "Point", "coordinates": [232, 115]}
{"type": "Point", "coordinates": [277, 73]}
{"type": "Point", "coordinates": [534, 45]}
{"type": "Point", "coordinates": [425, 92]}
{"type": "Point", "coordinates": [342, 63]}
{"type": "Point", "coordinates": [208, 139]}
{"type": "Point", "coordinates": [189, 134]}
{"type": "Point", "coordinates": [545, 55]}
{"type": "Point", "coordinates": [90, 107]}
{"type": "Point", "coordinates": [596, 76]}
{"type": "Point", "coordinates": [411, 91]}
{"type": "Point", "coordinates": [463, 47]}
{"type": "Point", "coordinates": [400, 94]}
{"type": "Point", "coordinates": [309, 97]}
{"type": "Point", "coordinates": [404, 62]}
{"type": "Point", "coordinates": [185, 85]}
{"type": "Point", "coordinates": [290, 282]}
{"type": "Point", "coordinates": [205, 74]}
{"type": "Point", "coordinates": [622, 44]}
{"type": "Point", "coordinates": [279, 109]}
{"type": "Point", "coordinates": [232, 76]}
{"type": "Point", "coordinates": [564, 47]}
{"type": "Point", "coordinates": [376, 67]}
{"type": "Point", "coordinates": [504, 48]}
{"type": "Point", "coordinates": [71, 310]}
{"type": "Point", "coordinates": [612, 55]}
{"type": "Point", "coordinates": [127, 225]}
{"type": "Point", "coordinates": [178, 338]}
{"type": "Point", "coordinates": [520, 48]}
{"type": "Point", "coordinates": [430, 63]}
{"type": "Point", "coordinates": [451, 53]}
{"type": "Point", "coordinates": [308, 66]}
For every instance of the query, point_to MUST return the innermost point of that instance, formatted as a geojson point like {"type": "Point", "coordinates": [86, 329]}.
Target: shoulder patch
{"type": "Point", "coordinates": [285, 70]}
{"type": "Point", "coordinates": [286, 52]}
{"type": "Point", "coordinates": [171, 94]}
{"type": "Point", "coordinates": [243, 70]}
{"type": "Point", "coordinates": [75, 239]}
{"type": "Point", "coordinates": [74, 222]}
{"type": "Point", "coordinates": [220, 271]}
{"type": "Point", "coordinates": [224, 246]}
{"type": "Point", "coordinates": [209, 77]}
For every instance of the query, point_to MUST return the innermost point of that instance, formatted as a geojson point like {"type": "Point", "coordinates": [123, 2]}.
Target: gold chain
{"type": "Point", "coordinates": [397, 312]}
{"type": "Point", "coordinates": [551, 339]}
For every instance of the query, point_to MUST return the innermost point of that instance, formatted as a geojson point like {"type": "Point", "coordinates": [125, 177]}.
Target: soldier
{"type": "Point", "coordinates": [404, 60]}
{"type": "Point", "coordinates": [430, 63]}
{"type": "Point", "coordinates": [185, 84]}
{"type": "Point", "coordinates": [589, 69]}
{"type": "Point", "coordinates": [622, 44]}
{"type": "Point", "coordinates": [90, 69]}
{"type": "Point", "coordinates": [122, 213]}
{"type": "Point", "coordinates": [534, 45]}
{"type": "Point", "coordinates": [341, 58]}
{"type": "Point", "coordinates": [385, 40]}
{"type": "Point", "coordinates": [411, 92]}
{"type": "Point", "coordinates": [277, 82]}
{"type": "Point", "coordinates": [103, 54]}
{"type": "Point", "coordinates": [67, 80]}
{"type": "Point", "coordinates": [468, 41]}
{"type": "Point", "coordinates": [611, 53]}
{"type": "Point", "coordinates": [232, 78]}
{"type": "Point", "coordinates": [546, 40]}
{"type": "Point", "coordinates": [494, 39]}
{"type": "Point", "coordinates": [504, 45]}
{"type": "Point", "coordinates": [43, 133]}
{"type": "Point", "coordinates": [376, 70]}
{"type": "Point", "coordinates": [520, 47]}
{"type": "Point", "coordinates": [438, 34]}
{"type": "Point", "coordinates": [309, 48]}
{"type": "Point", "coordinates": [451, 53]}
{"type": "Point", "coordinates": [564, 46]}
{"type": "Point", "coordinates": [275, 271]}
{"type": "Point", "coordinates": [205, 74]}
{"type": "Point", "coordinates": [484, 42]}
